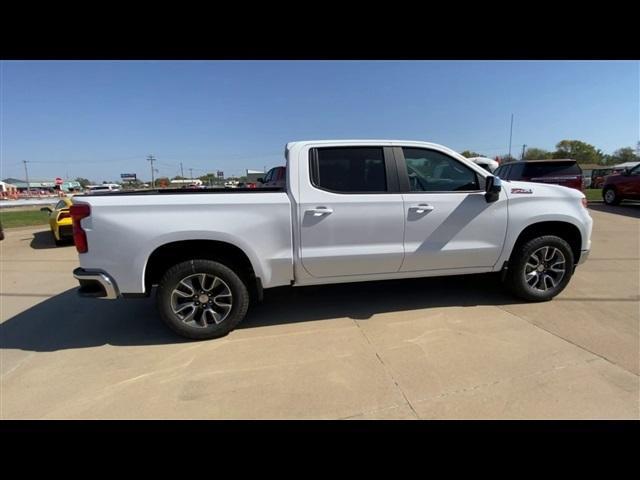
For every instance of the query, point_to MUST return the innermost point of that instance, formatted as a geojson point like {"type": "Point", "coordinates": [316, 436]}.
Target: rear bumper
{"type": "Point", "coordinates": [96, 284]}
{"type": "Point", "coordinates": [584, 255]}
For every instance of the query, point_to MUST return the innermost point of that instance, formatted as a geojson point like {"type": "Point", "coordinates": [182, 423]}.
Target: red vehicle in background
{"type": "Point", "coordinates": [276, 177]}
{"type": "Point", "coordinates": [622, 186]}
{"type": "Point", "coordinates": [561, 172]}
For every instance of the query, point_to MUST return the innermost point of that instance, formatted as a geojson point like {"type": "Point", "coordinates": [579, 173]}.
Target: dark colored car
{"type": "Point", "coordinates": [561, 172]}
{"type": "Point", "coordinates": [276, 177]}
{"type": "Point", "coordinates": [622, 186]}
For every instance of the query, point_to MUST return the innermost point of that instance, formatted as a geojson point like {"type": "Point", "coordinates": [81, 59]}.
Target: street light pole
{"type": "Point", "coordinates": [510, 135]}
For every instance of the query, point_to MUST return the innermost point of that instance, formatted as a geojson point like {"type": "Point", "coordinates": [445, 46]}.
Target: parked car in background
{"type": "Point", "coordinates": [105, 187]}
{"type": "Point", "coordinates": [60, 221]}
{"type": "Point", "coordinates": [622, 186]}
{"type": "Point", "coordinates": [276, 177]}
{"type": "Point", "coordinates": [487, 163]}
{"type": "Point", "coordinates": [352, 210]}
{"type": "Point", "coordinates": [598, 175]}
{"type": "Point", "coordinates": [560, 172]}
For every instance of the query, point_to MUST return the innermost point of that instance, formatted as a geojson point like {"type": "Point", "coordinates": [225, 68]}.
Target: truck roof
{"type": "Point", "coordinates": [362, 141]}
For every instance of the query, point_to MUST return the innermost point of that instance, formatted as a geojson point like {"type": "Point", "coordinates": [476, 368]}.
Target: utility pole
{"type": "Point", "coordinates": [181, 170]}
{"type": "Point", "coordinates": [523, 147]}
{"type": "Point", "coordinates": [151, 159]}
{"type": "Point", "coordinates": [26, 174]}
{"type": "Point", "coordinates": [510, 135]}
{"type": "Point", "coordinates": [191, 173]}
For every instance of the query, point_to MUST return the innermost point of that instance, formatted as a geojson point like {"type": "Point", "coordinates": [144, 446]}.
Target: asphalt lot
{"type": "Point", "coordinates": [427, 348]}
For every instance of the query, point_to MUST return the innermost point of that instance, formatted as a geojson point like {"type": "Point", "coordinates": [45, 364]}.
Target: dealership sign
{"type": "Point", "coordinates": [128, 177]}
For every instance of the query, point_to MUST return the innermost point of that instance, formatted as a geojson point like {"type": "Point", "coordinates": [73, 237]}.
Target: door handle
{"type": "Point", "coordinates": [319, 211]}
{"type": "Point", "coordinates": [421, 208]}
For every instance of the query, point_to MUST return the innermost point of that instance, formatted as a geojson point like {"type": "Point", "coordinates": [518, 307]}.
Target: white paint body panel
{"type": "Point", "coordinates": [366, 237]}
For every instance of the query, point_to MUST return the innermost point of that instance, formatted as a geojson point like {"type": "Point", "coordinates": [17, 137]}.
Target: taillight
{"type": "Point", "coordinates": [78, 212]}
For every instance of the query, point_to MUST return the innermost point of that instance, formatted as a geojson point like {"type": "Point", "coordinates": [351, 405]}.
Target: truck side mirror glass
{"type": "Point", "coordinates": [493, 187]}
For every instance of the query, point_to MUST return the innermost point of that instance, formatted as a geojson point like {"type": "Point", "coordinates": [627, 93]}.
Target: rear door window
{"type": "Point", "coordinates": [349, 170]}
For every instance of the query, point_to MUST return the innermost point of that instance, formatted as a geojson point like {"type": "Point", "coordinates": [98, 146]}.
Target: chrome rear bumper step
{"type": "Point", "coordinates": [96, 284]}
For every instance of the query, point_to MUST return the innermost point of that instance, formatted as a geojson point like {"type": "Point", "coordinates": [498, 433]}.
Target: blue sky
{"type": "Point", "coordinates": [98, 119]}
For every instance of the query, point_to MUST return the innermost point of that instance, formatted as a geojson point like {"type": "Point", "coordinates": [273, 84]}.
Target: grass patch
{"type": "Point", "coordinates": [23, 218]}
{"type": "Point", "coordinates": [593, 193]}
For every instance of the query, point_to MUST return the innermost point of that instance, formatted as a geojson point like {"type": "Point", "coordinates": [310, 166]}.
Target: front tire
{"type": "Point", "coordinates": [202, 299]}
{"type": "Point", "coordinates": [610, 196]}
{"type": "Point", "coordinates": [540, 268]}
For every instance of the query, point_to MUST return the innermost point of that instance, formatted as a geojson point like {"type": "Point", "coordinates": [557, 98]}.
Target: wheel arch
{"type": "Point", "coordinates": [171, 253]}
{"type": "Point", "coordinates": [565, 230]}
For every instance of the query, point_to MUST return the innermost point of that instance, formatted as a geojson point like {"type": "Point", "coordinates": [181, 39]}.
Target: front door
{"type": "Point", "coordinates": [351, 214]}
{"type": "Point", "coordinates": [449, 224]}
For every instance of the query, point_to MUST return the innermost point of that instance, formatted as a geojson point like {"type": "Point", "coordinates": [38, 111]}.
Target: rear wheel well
{"type": "Point", "coordinates": [171, 254]}
{"type": "Point", "coordinates": [567, 231]}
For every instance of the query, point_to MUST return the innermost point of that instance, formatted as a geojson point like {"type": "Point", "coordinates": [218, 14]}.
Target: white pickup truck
{"type": "Point", "coordinates": [352, 210]}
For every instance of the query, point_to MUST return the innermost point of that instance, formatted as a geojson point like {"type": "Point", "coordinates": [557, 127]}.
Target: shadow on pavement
{"type": "Point", "coordinates": [626, 209]}
{"type": "Point", "coordinates": [44, 239]}
{"type": "Point", "coordinates": [67, 321]}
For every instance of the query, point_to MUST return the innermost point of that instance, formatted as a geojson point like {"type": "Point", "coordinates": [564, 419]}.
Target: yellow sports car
{"type": "Point", "coordinates": [60, 221]}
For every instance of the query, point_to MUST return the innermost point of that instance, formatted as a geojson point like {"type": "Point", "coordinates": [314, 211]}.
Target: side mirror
{"type": "Point", "coordinates": [46, 209]}
{"type": "Point", "coordinates": [493, 187]}
{"type": "Point", "coordinates": [261, 180]}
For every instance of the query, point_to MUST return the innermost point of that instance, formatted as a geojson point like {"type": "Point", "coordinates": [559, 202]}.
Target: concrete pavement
{"type": "Point", "coordinates": [455, 347]}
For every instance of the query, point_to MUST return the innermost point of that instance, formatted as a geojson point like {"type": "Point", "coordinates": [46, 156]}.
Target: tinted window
{"type": "Point", "coordinates": [60, 205]}
{"type": "Point", "coordinates": [350, 170]}
{"type": "Point", "coordinates": [551, 169]}
{"type": "Point", "coordinates": [431, 171]}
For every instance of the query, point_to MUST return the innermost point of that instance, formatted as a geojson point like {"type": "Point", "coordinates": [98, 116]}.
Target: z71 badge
{"type": "Point", "coordinates": [521, 190]}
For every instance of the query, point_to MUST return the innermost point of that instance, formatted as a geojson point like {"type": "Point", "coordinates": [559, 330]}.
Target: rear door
{"type": "Point", "coordinates": [351, 213]}
{"type": "Point", "coordinates": [448, 222]}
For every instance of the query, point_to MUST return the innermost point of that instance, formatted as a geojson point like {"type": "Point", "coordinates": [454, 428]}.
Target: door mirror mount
{"type": "Point", "coordinates": [493, 187]}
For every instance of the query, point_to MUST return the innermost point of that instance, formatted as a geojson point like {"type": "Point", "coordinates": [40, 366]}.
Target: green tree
{"type": "Point", "coordinates": [579, 151]}
{"type": "Point", "coordinates": [622, 155]}
{"type": "Point", "coordinates": [471, 154]}
{"type": "Point", "coordinates": [537, 154]}
{"type": "Point", "coordinates": [82, 181]}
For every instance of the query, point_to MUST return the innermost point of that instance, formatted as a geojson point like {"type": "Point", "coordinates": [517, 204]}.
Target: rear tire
{"type": "Point", "coordinates": [610, 196]}
{"type": "Point", "coordinates": [540, 268]}
{"type": "Point", "coordinates": [202, 299]}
